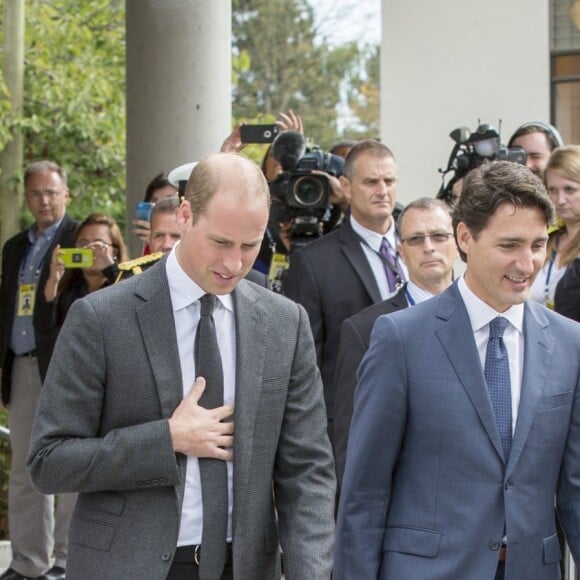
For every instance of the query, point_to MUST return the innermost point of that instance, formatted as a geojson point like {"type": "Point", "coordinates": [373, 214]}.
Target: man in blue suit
{"type": "Point", "coordinates": [458, 447]}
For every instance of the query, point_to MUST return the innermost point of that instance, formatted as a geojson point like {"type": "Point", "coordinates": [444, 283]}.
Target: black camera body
{"type": "Point", "coordinates": [472, 150]}
{"type": "Point", "coordinates": [303, 196]}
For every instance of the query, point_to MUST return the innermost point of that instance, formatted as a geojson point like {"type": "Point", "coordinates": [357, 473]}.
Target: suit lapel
{"type": "Point", "coordinates": [456, 337]}
{"type": "Point", "coordinates": [538, 350]}
{"type": "Point", "coordinates": [156, 322]}
{"type": "Point", "coordinates": [355, 255]}
{"type": "Point", "coordinates": [251, 321]}
{"type": "Point", "coordinates": [399, 300]}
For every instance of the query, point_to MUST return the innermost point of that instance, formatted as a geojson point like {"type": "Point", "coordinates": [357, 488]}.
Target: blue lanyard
{"type": "Point", "coordinates": [409, 297]}
{"type": "Point", "coordinates": [29, 247]}
{"type": "Point", "coordinates": [550, 266]}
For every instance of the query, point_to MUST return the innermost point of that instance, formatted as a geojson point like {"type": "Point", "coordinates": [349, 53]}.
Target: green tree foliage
{"type": "Point", "coordinates": [364, 96]}
{"type": "Point", "coordinates": [74, 108]}
{"type": "Point", "coordinates": [290, 67]}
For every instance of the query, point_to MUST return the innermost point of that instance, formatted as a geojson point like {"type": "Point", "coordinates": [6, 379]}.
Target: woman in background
{"type": "Point", "coordinates": [100, 233]}
{"type": "Point", "coordinates": [562, 177]}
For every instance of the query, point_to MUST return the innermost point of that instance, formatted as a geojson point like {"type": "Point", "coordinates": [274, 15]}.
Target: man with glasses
{"type": "Point", "coordinates": [428, 248]}
{"type": "Point", "coordinates": [25, 344]}
{"type": "Point", "coordinates": [354, 266]}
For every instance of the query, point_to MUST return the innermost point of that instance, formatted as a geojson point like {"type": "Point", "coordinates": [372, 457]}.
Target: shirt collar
{"type": "Point", "coordinates": [372, 238]}
{"type": "Point", "coordinates": [417, 293]}
{"type": "Point", "coordinates": [481, 314]}
{"type": "Point", "coordinates": [48, 233]}
{"type": "Point", "coordinates": [184, 291]}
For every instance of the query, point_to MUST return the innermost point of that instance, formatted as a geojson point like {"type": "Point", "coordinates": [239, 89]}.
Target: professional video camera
{"type": "Point", "coordinates": [472, 150]}
{"type": "Point", "coordinates": [298, 194]}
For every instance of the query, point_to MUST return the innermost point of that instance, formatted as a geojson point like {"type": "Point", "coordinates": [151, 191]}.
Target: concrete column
{"type": "Point", "coordinates": [178, 87]}
{"type": "Point", "coordinates": [444, 65]}
{"type": "Point", "coordinates": [12, 154]}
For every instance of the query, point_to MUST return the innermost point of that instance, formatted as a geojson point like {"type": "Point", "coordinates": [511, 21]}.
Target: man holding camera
{"type": "Point", "coordinates": [25, 346]}
{"type": "Point", "coordinates": [538, 140]}
{"type": "Point", "coordinates": [354, 266]}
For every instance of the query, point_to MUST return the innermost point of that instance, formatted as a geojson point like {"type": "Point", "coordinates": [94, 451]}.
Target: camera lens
{"type": "Point", "coordinates": [308, 191]}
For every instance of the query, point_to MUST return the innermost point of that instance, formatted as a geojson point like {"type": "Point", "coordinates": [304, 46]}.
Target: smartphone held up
{"type": "Point", "coordinates": [258, 133]}
{"type": "Point", "coordinates": [76, 257]}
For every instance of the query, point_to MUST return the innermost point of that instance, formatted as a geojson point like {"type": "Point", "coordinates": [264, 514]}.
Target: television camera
{"type": "Point", "coordinates": [472, 150]}
{"type": "Point", "coordinates": [299, 195]}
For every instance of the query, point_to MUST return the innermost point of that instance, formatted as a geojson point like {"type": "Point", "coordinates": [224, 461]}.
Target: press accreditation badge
{"type": "Point", "coordinates": [278, 268]}
{"type": "Point", "coordinates": [26, 293]}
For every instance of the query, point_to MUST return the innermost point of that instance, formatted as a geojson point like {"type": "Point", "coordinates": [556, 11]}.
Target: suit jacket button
{"type": "Point", "coordinates": [508, 483]}
{"type": "Point", "coordinates": [166, 556]}
{"type": "Point", "coordinates": [494, 545]}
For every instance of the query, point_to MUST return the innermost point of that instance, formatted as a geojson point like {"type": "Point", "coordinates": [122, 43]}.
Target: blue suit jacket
{"type": "Point", "coordinates": [426, 493]}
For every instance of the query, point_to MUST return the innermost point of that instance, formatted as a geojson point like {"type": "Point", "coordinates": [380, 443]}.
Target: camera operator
{"type": "Point", "coordinates": [538, 140]}
{"type": "Point", "coordinates": [354, 266]}
{"type": "Point", "coordinates": [307, 200]}
{"type": "Point", "coordinates": [471, 150]}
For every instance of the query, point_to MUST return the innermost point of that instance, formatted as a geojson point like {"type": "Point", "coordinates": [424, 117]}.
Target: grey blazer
{"type": "Point", "coordinates": [426, 491]}
{"type": "Point", "coordinates": [101, 430]}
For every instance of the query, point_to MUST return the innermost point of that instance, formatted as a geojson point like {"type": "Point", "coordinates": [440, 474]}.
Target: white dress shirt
{"type": "Point", "coordinates": [480, 315]}
{"type": "Point", "coordinates": [371, 249]}
{"type": "Point", "coordinates": [416, 294]}
{"type": "Point", "coordinates": [185, 295]}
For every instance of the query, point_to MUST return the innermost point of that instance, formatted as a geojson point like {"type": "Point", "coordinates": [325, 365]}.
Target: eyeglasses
{"type": "Point", "coordinates": [38, 193]}
{"type": "Point", "coordinates": [436, 238]}
{"type": "Point", "coordinates": [92, 244]}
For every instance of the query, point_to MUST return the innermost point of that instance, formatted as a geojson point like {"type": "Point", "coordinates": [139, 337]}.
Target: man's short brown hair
{"type": "Point", "coordinates": [491, 185]}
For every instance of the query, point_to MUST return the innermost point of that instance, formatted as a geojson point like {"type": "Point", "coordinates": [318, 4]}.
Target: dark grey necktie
{"type": "Point", "coordinates": [497, 376]}
{"type": "Point", "coordinates": [214, 475]}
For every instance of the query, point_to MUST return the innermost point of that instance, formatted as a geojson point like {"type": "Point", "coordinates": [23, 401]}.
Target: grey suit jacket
{"type": "Point", "coordinates": [101, 429]}
{"type": "Point", "coordinates": [426, 492]}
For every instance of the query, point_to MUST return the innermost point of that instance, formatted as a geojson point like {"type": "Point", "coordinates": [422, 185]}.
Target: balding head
{"type": "Point", "coordinates": [221, 171]}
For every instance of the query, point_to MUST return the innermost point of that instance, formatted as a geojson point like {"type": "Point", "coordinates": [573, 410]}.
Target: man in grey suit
{"type": "Point", "coordinates": [462, 436]}
{"type": "Point", "coordinates": [428, 249]}
{"type": "Point", "coordinates": [122, 419]}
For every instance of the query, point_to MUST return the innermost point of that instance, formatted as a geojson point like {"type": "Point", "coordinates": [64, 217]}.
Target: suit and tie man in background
{"type": "Point", "coordinates": [466, 421]}
{"type": "Point", "coordinates": [428, 248]}
{"type": "Point", "coordinates": [185, 407]}
{"type": "Point", "coordinates": [354, 266]}
{"type": "Point", "coordinates": [26, 341]}
{"type": "Point", "coordinates": [164, 227]}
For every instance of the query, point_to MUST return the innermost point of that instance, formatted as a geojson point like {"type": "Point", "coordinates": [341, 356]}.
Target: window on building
{"type": "Point", "coordinates": [565, 63]}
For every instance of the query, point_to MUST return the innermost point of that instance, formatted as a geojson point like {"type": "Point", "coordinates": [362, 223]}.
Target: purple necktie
{"type": "Point", "coordinates": [390, 265]}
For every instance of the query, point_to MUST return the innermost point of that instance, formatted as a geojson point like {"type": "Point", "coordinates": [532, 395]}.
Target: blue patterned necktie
{"type": "Point", "coordinates": [390, 266]}
{"type": "Point", "coordinates": [213, 472]}
{"type": "Point", "coordinates": [497, 376]}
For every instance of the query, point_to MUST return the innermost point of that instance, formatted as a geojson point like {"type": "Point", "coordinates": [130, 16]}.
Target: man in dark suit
{"type": "Point", "coordinates": [26, 341]}
{"type": "Point", "coordinates": [354, 266]}
{"type": "Point", "coordinates": [466, 418]}
{"type": "Point", "coordinates": [124, 421]}
{"type": "Point", "coordinates": [428, 249]}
